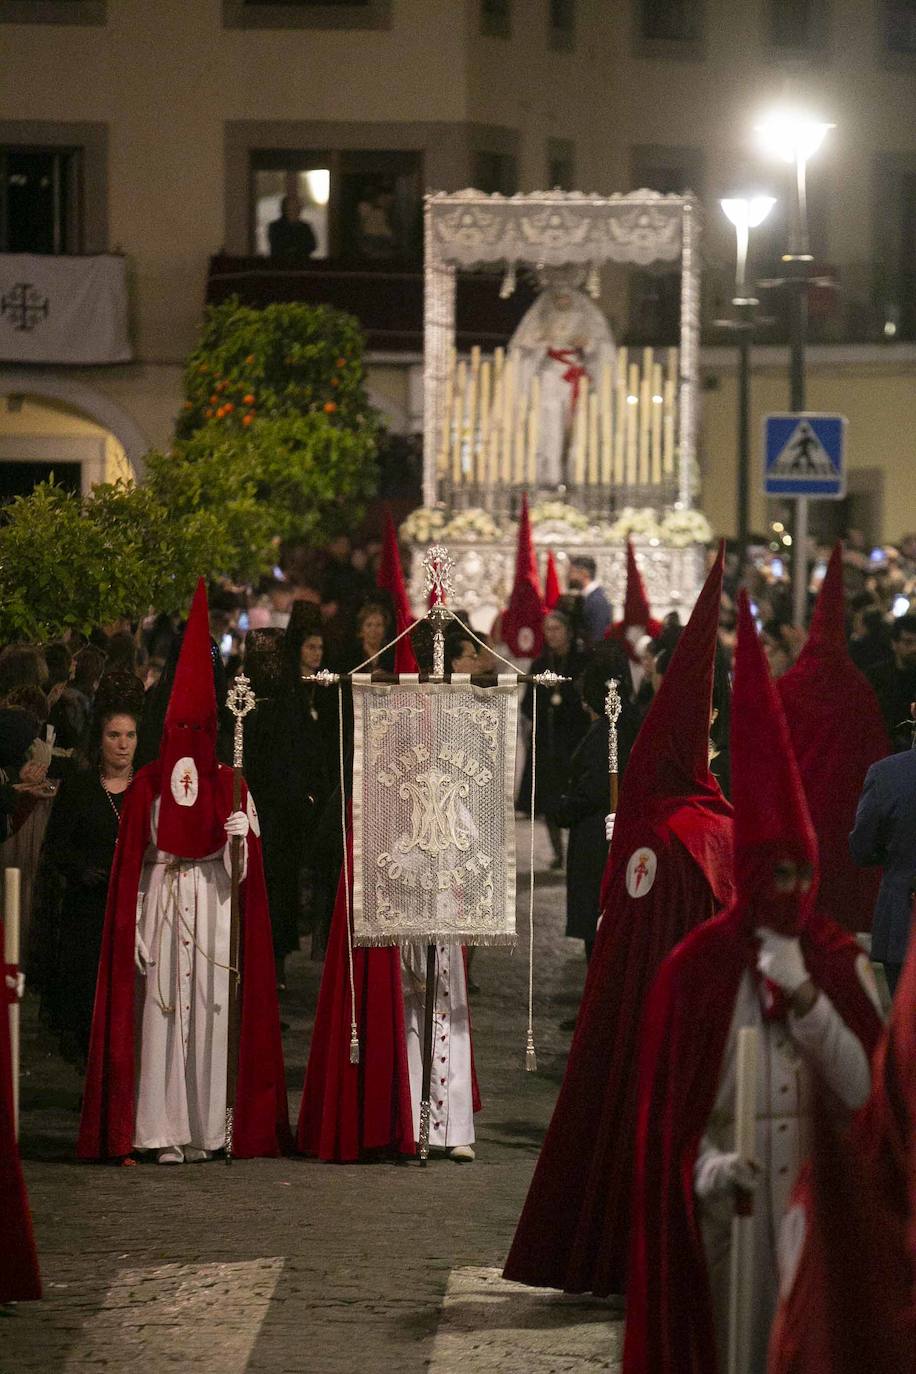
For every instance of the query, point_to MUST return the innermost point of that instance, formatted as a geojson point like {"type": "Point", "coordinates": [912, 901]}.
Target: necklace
{"type": "Point", "coordinates": [111, 800]}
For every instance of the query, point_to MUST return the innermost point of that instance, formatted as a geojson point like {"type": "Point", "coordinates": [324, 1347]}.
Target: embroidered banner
{"type": "Point", "coordinates": [57, 309]}
{"type": "Point", "coordinates": [433, 813]}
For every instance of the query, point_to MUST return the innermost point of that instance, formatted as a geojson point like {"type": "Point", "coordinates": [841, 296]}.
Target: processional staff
{"type": "Point", "coordinates": [240, 700]}
{"type": "Point", "coordinates": [612, 708]}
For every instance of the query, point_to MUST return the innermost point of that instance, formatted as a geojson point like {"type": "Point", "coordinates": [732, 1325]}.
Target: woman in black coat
{"type": "Point", "coordinates": [582, 807]}
{"type": "Point", "coordinates": [561, 724]}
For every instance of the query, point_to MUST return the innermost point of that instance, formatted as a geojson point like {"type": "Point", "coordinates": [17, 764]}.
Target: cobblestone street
{"type": "Point", "coordinates": [291, 1265]}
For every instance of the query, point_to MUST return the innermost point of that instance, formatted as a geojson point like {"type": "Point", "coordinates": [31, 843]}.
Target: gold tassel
{"type": "Point", "coordinates": [354, 1047]}
{"type": "Point", "coordinates": [531, 1059]}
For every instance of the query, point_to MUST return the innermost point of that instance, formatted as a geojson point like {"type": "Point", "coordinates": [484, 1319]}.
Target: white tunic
{"type": "Point", "coordinates": [787, 1054]}
{"type": "Point", "coordinates": [183, 919]}
{"type": "Point", "coordinates": [452, 1113]}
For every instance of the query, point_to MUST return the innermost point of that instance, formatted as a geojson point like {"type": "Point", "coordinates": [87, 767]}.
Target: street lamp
{"type": "Point", "coordinates": [745, 213]}
{"type": "Point", "coordinates": [795, 138]}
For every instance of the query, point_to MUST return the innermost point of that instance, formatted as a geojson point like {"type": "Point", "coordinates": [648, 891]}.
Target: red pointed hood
{"type": "Point", "coordinates": [772, 821]}
{"type": "Point", "coordinates": [551, 582]}
{"type": "Point", "coordinates": [190, 823]}
{"type": "Point", "coordinates": [523, 619]}
{"type": "Point", "coordinates": [637, 614]}
{"type": "Point", "coordinates": [391, 579]}
{"type": "Point", "coordinates": [821, 695]}
{"type": "Point", "coordinates": [668, 768]}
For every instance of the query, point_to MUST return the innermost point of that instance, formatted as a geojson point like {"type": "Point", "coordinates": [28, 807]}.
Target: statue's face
{"type": "Point", "coordinates": [561, 298]}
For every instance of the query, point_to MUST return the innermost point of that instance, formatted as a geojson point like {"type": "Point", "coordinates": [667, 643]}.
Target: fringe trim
{"type": "Point", "coordinates": [471, 938]}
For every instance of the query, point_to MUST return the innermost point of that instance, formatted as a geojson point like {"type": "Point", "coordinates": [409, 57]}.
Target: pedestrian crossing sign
{"type": "Point", "coordinates": [805, 455]}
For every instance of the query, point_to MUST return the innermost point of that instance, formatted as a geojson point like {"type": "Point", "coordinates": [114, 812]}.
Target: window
{"type": "Point", "coordinates": [561, 164]}
{"type": "Point", "coordinates": [655, 294]}
{"type": "Point", "coordinates": [495, 172]}
{"type": "Point", "coordinates": [307, 14]}
{"type": "Point", "coordinates": [362, 206]}
{"type": "Point", "coordinates": [562, 24]}
{"type": "Point", "coordinates": [670, 21]}
{"type": "Point", "coordinates": [900, 26]}
{"type": "Point", "coordinates": [40, 208]}
{"type": "Point", "coordinates": [796, 26]}
{"type": "Point", "coordinates": [496, 18]}
{"type": "Point", "coordinates": [52, 11]}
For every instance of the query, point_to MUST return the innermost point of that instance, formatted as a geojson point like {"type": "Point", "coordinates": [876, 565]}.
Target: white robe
{"type": "Point", "coordinates": [452, 1113]}
{"type": "Point", "coordinates": [182, 1002]}
{"type": "Point", "coordinates": [787, 1054]}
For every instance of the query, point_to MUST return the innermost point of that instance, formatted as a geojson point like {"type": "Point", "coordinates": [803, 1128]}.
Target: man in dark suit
{"type": "Point", "coordinates": [885, 833]}
{"type": "Point", "coordinates": [289, 236]}
{"type": "Point", "coordinates": [594, 618]}
{"type": "Point", "coordinates": [894, 681]}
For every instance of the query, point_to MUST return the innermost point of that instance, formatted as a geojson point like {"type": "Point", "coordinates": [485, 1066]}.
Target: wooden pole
{"type": "Point", "coordinates": [741, 1282]}
{"type": "Point", "coordinates": [12, 887]}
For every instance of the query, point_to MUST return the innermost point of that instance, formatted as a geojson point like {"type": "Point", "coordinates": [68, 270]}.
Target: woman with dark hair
{"type": "Point", "coordinates": [374, 627]}
{"type": "Point", "coordinates": [78, 850]}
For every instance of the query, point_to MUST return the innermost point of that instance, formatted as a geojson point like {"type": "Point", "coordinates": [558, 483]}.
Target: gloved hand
{"type": "Point", "coordinates": [237, 824]}
{"type": "Point", "coordinates": [41, 752]}
{"type": "Point", "coordinates": [609, 826]}
{"type": "Point", "coordinates": [141, 953]}
{"type": "Point", "coordinates": [781, 960]}
{"type": "Point", "coordinates": [16, 983]}
{"type": "Point", "coordinates": [720, 1172]}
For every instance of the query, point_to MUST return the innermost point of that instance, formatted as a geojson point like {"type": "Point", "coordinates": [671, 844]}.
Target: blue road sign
{"type": "Point", "coordinates": [804, 455]}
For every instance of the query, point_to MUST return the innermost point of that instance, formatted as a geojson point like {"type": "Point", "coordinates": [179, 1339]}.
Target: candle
{"type": "Point", "coordinates": [11, 891]}
{"type": "Point", "coordinates": [620, 418]}
{"type": "Point", "coordinates": [746, 1094]}
{"type": "Point", "coordinates": [645, 417]}
{"type": "Point", "coordinates": [534, 422]}
{"type": "Point", "coordinates": [657, 402]}
{"type": "Point", "coordinates": [668, 428]}
{"type": "Point", "coordinates": [632, 423]}
{"type": "Point", "coordinates": [508, 420]}
{"type": "Point", "coordinates": [606, 423]}
{"type": "Point", "coordinates": [458, 426]}
{"type": "Point", "coordinates": [593, 439]}
{"type": "Point", "coordinates": [580, 432]}
{"type": "Point", "coordinates": [446, 417]}
{"type": "Point", "coordinates": [484, 428]}
{"type": "Point", "coordinates": [469, 441]}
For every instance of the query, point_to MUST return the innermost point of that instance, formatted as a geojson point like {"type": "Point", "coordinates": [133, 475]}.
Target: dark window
{"type": "Point", "coordinates": [20, 478]}
{"type": "Point", "coordinates": [655, 294]}
{"type": "Point", "coordinates": [496, 18]}
{"type": "Point", "coordinates": [357, 205]}
{"type": "Point", "coordinates": [495, 172]}
{"type": "Point", "coordinates": [907, 260]}
{"type": "Point", "coordinates": [670, 21]}
{"type": "Point", "coordinates": [563, 16]}
{"type": "Point", "coordinates": [793, 23]}
{"type": "Point", "coordinates": [561, 164]}
{"type": "Point", "coordinates": [40, 206]}
{"type": "Point", "coordinates": [900, 26]}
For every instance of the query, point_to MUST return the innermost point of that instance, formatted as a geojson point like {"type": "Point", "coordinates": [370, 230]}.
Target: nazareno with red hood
{"type": "Point", "coordinates": [670, 1319]}
{"type": "Point", "coordinates": [837, 733]}
{"type": "Point", "coordinates": [670, 867]}
{"type": "Point", "coordinates": [638, 619]}
{"type": "Point", "coordinates": [20, 1280]}
{"type": "Point", "coordinates": [194, 796]}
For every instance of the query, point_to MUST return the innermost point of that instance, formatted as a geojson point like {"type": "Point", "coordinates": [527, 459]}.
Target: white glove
{"type": "Point", "coordinates": [609, 826]}
{"type": "Point", "coordinates": [16, 983]}
{"type": "Point", "coordinates": [781, 960]}
{"type": "Point", "coordinates": [238, 824]}
{"type": "Point", "coordinates": [41, 752]}
{"type": "Point", "coordinates": [141, 953]}
{"type": "Point", "coordinates": [719, 1172]}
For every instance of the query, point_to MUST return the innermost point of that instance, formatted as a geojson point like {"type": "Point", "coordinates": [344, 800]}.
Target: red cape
{"type": "Point", "coordinates": [837, 733]}
{"type": "Point", "coordinates": [391, 579]}
{"type": "Point", "coordinates": [261, 1112]}
{"type": "Point", "coordinates": [20, 1280]}
{"type": "Point", "coordinates": [523, 619]}
{"type": "Point", "coordinates": [852, 1304]}
{"type": "Point", "coordinates": [574, 1230]}
{"type": "Point", "coordinates": [670, 1328]}
{"type": "Point", "coordinates": [349, 1110]}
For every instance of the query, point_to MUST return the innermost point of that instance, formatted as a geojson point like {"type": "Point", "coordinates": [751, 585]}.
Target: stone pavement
{"type": "Point", "coordinates": [296, 1267]}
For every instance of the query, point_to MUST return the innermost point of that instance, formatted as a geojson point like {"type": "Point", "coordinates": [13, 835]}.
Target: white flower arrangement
{"type": "Point", "coordinates": [423, 525]}
{"type": "Point", "coordinates": [473, 524]}
{"type": "Point", "coordinates": [640, 524]}
{"type": "Point", "coordinates": [557, 512]}
{"type": "Point", "coordinates": [681, 528]}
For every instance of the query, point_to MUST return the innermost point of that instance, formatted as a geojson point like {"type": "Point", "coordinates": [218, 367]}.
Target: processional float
{"type": "Point", "coordinates": [433, 811]}
{"type": "Point", "coordinates": [625, 448]}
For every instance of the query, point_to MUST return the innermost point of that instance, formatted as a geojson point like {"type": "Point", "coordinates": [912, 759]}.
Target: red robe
{"type": "Point", "coordinates": [837, 733]}
{"type": "Point", "coordinates": [20, 1280]}
{"type": "Point", "coordinates": [851, 1306]}
{"type": "Point", "coordinates": [574, 1231]}
{"type": "Point", "coordinates": [670, 1327]}
{"type": "Point", "coordinates": [261, 1112]}
{"type": "Point", "coordinates": [349, 1110]}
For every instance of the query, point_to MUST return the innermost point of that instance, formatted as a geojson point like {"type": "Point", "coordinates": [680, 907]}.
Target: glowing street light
{"type": "Point", "coordinates": [745, 213]}
{"type": "Point", "coordinates": [794, 138]}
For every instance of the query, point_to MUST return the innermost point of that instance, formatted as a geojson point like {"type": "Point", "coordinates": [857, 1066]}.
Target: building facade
{"type": "Point", "coordinates": [171, 132]}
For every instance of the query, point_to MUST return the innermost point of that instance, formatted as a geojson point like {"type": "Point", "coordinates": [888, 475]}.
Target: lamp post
{"type": "Point", "coordinates": [745, 213]}
{"type": "Point", "coordinates": [795, 138]}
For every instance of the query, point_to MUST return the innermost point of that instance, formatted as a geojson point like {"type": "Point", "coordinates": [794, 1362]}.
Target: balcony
{"type": "Point", "coordinates": [388, 301]}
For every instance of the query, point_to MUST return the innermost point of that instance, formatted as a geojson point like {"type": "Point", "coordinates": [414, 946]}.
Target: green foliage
{"type": "Point", "coordinates": [287, 451]}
